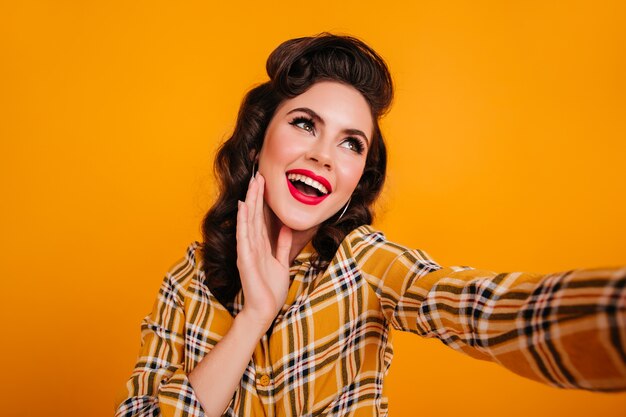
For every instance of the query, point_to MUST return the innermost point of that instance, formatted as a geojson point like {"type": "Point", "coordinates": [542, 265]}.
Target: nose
{"type": "Point", "coordinates": [320, 153]}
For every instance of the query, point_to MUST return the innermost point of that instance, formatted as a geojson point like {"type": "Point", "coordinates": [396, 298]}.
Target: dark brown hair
{"type": "Point", "coordinates": [293, 68]}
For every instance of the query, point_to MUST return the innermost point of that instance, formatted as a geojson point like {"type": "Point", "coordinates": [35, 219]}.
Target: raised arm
{"type": "Point", "coordinates": [566, 329]}
{"type": "Point", "coordinates": [264, 280]}
{"type": "Point", "coordinates": [160, 384]}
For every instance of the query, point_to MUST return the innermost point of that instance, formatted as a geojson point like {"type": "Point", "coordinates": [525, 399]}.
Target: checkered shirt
{"type": "Point", "coordinates": [330, 347]}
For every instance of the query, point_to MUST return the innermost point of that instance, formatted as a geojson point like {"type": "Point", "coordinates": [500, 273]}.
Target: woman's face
{"type": "Point", "coordinates": [314, 153]}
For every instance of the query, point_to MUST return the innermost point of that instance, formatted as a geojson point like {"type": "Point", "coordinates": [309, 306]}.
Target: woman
{"type": "Point", "coordinates": [285, 308]}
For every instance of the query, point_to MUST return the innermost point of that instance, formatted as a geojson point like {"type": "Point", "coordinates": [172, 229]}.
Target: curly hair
{"type": "Point", "coordinates": [293, 67]}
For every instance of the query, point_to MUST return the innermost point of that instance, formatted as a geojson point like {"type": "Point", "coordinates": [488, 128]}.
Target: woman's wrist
{"type": "Point", "coordinates": [253, 322]}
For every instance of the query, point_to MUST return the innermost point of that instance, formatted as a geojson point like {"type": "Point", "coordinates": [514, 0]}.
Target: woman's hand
{"type": "Point", "coordinates": [264, 277]}
{"type": "Point", "coordinates": [265, 280]}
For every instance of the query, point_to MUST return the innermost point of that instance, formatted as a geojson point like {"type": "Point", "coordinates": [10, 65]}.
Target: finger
{"type": "Point", "coordinates": [259, 218]}
{"type": "Point", "coordinates": [283, 245]}
{"type": "Point", "coordinates": [242, 231]}
{"type": "Point", "coordinates": [244, 261]}
{"type": "Point", "coordinates": [251, 201]}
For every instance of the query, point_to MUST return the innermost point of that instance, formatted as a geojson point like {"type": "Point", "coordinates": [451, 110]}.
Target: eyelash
{"type": "Point", "coordinates": [357, 143]}
{"type": "Point", "coordinates": [301, 119]}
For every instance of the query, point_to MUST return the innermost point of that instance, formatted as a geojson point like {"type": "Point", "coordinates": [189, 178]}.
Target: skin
{"type": "Point", "coordinates": [273, 227]}
{"type": "Point", "coordinates": [328, 149]}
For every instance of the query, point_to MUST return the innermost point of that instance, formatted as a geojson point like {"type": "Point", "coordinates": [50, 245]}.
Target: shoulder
{"type": "Point", "coordinates": [183, 273]}
{"type": "Point", "coordinates": [377, 257]}
{"type": "Point", "coordinates": [365, 241]}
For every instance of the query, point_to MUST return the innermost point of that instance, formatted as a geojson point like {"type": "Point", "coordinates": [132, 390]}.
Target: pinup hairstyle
{"type": "Point", "coordinates": [293, 68]}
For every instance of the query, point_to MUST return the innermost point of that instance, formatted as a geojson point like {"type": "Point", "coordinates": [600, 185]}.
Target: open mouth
{"type": "Point", "coordinates": [307, 185]}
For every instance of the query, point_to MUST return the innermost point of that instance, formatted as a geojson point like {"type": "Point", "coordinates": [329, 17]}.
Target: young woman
{"type": "Point", "coordinates": [285, 308]}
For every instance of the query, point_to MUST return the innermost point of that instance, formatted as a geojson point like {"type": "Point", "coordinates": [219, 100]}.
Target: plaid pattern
{"type": "Point", "coordinates": [329, 347]}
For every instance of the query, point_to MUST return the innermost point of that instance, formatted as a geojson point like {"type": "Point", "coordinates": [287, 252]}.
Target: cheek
{"type": "Point", "coordinates": [278, 146]}
{"type": "Point", "coordinates": [349, 172]}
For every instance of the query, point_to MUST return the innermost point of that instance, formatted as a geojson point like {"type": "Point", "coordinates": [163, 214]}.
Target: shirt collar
{"type": "Point", "coordinates": [305, 255]}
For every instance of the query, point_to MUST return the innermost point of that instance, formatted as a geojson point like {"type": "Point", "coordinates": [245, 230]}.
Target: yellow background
{"type": "Point", "coordinates": [507, 145]}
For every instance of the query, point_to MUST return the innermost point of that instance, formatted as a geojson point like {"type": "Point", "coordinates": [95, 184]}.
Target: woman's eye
{"type": "Point", "coordinates": [354, 145]}
{"type": "Point", "coordinates": [303, 123]}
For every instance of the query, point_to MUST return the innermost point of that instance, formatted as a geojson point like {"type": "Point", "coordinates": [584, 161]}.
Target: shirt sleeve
{"type": "Point", "coordinates": [158, 385]}
{"type": "Point", "coordinates": [566, 329]}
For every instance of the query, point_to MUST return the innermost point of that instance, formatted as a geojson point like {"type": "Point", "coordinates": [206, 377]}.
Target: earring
{"type": "Point", "coordinates": [344, 209]}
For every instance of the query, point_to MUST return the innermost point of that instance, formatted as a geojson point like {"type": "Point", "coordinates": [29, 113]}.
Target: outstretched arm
{"type": "Point", "coordinates": [566, 329]}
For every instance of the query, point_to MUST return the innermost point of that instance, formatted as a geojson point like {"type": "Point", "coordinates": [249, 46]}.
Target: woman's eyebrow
{"type": "Point", "coordinates": [319, 119]}
{"type": "Point", "coordinates": [310, 112]}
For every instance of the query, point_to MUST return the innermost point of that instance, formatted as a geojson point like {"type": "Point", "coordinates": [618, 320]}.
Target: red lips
{"type": "Point", "coordinates": [312, 175]}
{"type": "Point", "coordinates": [303, 198]}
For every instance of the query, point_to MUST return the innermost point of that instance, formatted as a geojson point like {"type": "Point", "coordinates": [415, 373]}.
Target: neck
{"type": "Point", "coordinates": [300, 238]}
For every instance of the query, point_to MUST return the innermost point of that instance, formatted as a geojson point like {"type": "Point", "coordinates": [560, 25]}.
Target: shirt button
{"type": "Point", "coordinates": [264, 380]}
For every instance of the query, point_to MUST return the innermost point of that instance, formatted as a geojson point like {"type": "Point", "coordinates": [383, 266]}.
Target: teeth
{"type": "Point", "coordinates": [308, 181]}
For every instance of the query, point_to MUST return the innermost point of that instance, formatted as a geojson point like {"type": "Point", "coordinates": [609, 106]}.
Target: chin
{"type": "Point", "coordinates": [299, 221]}
{"type": "Point", "coordinates": [299, 225]}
